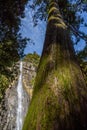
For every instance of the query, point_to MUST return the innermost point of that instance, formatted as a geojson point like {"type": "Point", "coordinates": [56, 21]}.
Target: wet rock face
{"type": "Point", "coordinates": [3, 115]}
{"type": "Point", "coordinates": [29, 74]}
{"type": "Point", "coordinates": [11, 101]}
{"type": "Point", "coordinates": [8, 114]}
{"type": "Point", "coordinates": [8, 106]}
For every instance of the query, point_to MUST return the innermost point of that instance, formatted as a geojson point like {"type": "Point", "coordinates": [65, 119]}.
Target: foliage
{"type": "Point", "coordinates": [11, 42]}
{"type": "Point", "coordinates": [10, 13]}
{"type": "Point", "coordinates": [84, 69]}
{"type": "Point", "coordinates": [82, 57]}
{"type": "Point", "coordinates": [3, 85]}
{"type": "Point", "coordinates": [7, 76]}
{"type": "Point", "coordinates": [32, 58]}
{"type": "Point", "coordinates": [72, 13]}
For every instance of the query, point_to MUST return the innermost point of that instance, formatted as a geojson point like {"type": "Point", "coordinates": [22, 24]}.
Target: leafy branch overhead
{"type": "Point", "coordinates": [72, 12]}
{"type": "Point", "coordinates": [11, 42]}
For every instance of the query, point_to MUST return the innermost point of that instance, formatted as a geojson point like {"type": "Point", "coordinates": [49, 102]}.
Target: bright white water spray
{"type": "Point", "coordinates": [20, 96]}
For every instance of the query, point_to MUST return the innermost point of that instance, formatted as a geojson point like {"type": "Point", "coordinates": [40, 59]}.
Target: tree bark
{"type": "Point", "coordinates": [60, 94]}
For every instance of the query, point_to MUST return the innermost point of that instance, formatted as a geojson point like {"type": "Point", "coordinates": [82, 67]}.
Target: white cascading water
{"type": "Point", "coordinates": [20, 96]}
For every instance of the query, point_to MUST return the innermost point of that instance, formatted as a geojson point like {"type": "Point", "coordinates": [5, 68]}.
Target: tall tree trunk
{"type": "Point", "coordinates": [60, 94]}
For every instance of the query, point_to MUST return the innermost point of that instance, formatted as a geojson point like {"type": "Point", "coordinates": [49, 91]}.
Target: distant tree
{"type": "Point", "coordinates": [82, 57]}
{"type": "Point", "coordinates": [32, 58]}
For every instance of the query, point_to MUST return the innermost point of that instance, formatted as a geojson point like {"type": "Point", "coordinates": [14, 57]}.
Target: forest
{"type": "Point", "coordinates": [59, 99]}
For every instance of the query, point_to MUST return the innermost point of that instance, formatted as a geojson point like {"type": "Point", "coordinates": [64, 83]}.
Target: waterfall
{"type": "Point", "coordinates": [20, 98]}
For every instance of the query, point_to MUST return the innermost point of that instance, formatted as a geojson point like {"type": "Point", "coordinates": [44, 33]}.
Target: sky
{"type": "Point", "coordinates": [37, 33]}
{"type": "Point", "coordinates": [82, 44]}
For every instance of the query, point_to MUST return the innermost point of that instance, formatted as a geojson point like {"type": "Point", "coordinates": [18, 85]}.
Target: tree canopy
{"type": "Point", "coordinates": [11, 42]}
{"type": "Point", "coordinates": [72, 12]}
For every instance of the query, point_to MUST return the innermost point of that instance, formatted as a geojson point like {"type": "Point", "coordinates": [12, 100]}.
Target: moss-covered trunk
{"type": "Point", "coordinates": [60, 95]}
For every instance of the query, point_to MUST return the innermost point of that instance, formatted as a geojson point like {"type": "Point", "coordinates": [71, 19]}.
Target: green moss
{"type": "Point", "coordinates": [53, 18]}
{"type": "Point", "coordinates": [39, 116]}
{"type": "Point", "coordinates": [52, 9]}
{"type": "Point", "coordinates": [54, 94]}
{"type": "Point", "coordinates": [3, 85]}
{"type": "Point", "coordinates": [32, 81]}
{"type": "Point", "coordinates": [83, 65]}
{"type": "Point", "coordinates": [61, 25]}
{"type": "Point", "coordinates": [41, 75]}
{"type": "Point", "coordinates": [53, 3]}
